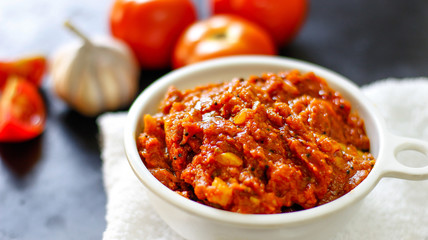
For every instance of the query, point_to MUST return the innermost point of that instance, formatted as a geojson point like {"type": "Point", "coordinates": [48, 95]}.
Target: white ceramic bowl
{"type": "Point", "coordinates": [196, 221]}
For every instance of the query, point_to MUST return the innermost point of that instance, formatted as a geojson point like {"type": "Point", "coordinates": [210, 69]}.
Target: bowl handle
{"type": "Point", "coordinates": [393, 168]}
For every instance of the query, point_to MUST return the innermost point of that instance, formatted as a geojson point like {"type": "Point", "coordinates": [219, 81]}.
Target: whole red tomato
{"type": "Point", "coordinates": [151, 27]}
{"type": "Point", "coordinates": [22, 111]}
{"type": "Point", "coordinates": [281, 18]}
{"type": "Point", "coordinates": [221, 35]}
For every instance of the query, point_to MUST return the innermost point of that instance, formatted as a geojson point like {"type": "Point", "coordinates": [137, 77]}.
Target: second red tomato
{"type": "Point", "coordinates": [281, 18]}
{"type": "Point", "coordinates": [218, 36]}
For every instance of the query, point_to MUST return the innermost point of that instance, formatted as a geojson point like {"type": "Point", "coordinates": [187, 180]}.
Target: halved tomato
{"type": "Point", "coordinates": [30, 68]}
{"type": "Point", "coordinates": [22, 111]}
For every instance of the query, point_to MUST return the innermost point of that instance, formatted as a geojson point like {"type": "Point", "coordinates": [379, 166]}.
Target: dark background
{"type": "Point", "coordinates": [51, 187]}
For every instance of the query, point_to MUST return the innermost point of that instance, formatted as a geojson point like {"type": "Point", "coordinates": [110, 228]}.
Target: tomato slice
{"type": "Point", "coordinates": [30, 68]}
{"type": "Point", "coordinates": [22, 111]}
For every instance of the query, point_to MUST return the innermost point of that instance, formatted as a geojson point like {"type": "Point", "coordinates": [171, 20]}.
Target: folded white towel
{"type": "Point", "coordinates": [395, 209]}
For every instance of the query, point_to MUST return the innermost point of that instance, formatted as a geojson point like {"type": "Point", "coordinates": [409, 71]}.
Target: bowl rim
{"type": "Point", "coordinates": [253, 220]}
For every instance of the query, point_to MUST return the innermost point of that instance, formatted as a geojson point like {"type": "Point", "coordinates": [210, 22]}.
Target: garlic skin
{"type": "Point", "coordinates": [96, 75]}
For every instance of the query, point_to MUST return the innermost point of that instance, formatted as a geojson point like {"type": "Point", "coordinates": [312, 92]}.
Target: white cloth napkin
{"type": "Point", "coordinates": [395, 209]}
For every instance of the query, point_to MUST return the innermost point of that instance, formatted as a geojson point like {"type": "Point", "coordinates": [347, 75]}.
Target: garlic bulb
{"type": "Point", "coordinates": [95, 75]}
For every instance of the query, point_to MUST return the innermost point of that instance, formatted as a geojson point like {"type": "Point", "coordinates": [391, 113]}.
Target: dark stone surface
{"type": "Point", "coordinates": [366, 40]}
{"type": "Point", "coordinates": [51, 187]}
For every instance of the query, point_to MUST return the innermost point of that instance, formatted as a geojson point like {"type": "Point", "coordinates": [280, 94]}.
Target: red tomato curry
{"type": "Point", "coordinates": [268, 144]}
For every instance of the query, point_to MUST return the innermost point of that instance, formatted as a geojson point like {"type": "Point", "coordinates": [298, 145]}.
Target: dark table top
{"type": "Point", "coordinates": [51, 187]}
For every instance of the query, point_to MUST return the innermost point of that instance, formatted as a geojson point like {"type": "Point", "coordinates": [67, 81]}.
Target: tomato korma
{"type": "Point", "coordinates": [267, 144]}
